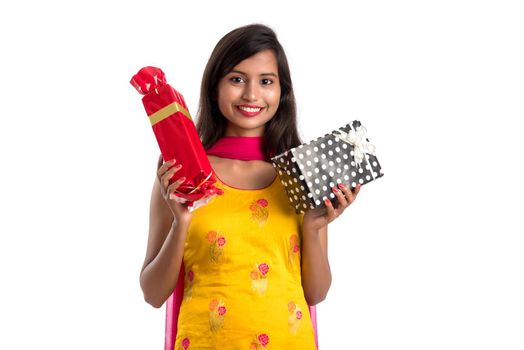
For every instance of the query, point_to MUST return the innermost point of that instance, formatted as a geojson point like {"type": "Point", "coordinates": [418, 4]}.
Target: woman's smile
{"type": "Point", "coordinates": [250, 110]}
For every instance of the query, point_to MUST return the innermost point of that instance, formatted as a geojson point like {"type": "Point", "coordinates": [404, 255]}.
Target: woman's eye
{"type": "Point", "coordinates": [267, 81]}
{"type": "Point", "coordinates": [237, 80]}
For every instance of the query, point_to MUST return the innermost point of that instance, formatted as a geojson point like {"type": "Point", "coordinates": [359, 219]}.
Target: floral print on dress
{"type": "Point", "coordinates": [259, 278]}
{"type": "Point", "coordinates": [188, 284]}
{"type": "Point", "coordinates": [295, 315]}
{"type": "Point", "coordinates": [217, 243]}
{"type": "Point", "coordinates": [260, 342]}
{"type": "Point", "coordinates": [294, 250]}
{"type": "Point", "coordinates": [217, 310]}
{"type": "Point", "coordinates": [184, 344]}
{"type": "Point", "coordinates": [259, 211]}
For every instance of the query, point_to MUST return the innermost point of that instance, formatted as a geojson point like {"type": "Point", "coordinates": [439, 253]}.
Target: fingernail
{"type": "Point", "coordinates": [341, 186]}
{"type": "Point", "coordinates": [326, 201]}
{"type": "Point", "coordinates": [179, 166]}
{"type": "Point", "coordinates": [336, 190]}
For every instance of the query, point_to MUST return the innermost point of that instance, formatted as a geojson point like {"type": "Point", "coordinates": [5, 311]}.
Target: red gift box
{"type": "Point", "coordinates": [177, 136]}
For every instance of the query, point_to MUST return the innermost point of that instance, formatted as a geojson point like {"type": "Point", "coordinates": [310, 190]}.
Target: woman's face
{"type": "Point", "coordinates": [248, 96]}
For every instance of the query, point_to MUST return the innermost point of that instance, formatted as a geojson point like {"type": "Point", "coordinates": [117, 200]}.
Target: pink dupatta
{"type": "Point", "coordinates": [234, 147]}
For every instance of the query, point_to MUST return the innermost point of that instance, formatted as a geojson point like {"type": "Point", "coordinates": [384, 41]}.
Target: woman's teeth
{"type": "Point", "coordinates": [249, 109]}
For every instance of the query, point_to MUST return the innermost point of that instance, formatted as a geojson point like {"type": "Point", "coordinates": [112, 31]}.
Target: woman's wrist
{"type": "Point", "coordinates": [309, 229]}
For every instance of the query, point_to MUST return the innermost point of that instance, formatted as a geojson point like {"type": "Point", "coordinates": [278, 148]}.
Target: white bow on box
{"type": "Point", "coordinates": [357, 139]}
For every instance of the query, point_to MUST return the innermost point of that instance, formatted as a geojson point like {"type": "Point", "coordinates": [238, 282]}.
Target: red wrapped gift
{"type": "Point", "coordinates": [177, 137]}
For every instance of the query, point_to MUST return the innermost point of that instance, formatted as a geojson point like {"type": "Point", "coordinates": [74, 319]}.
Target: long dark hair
{"type": "Point", "coordinates": [280, 133]}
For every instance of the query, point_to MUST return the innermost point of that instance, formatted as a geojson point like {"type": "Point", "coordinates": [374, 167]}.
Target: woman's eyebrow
{"type": "Point", "coordinates": [240, 72]}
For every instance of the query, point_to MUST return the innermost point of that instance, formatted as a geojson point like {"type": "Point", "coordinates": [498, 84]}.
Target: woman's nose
{"type": "Point", "coordinates": [251, 91]}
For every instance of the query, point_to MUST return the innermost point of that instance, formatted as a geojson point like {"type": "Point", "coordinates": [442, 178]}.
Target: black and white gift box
{"type": "Point", "coordinates": [309, 171]}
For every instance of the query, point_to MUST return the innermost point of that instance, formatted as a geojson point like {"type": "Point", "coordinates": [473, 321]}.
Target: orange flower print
{"type": "Point", "coordinates": [217, 310]}
{"type": "Point", "coordinates": [291, 306]}
{"type": "Point", "coordinates": [295, 315]}
{"type": "Point", "coordinates": [259, 211]}
{"type": "Point", "coordinates": [259, 278]}
{"type": "Point", "coordinates": [216, 247]}
{"type": "Point", "coordinates": [211, 236]}
{"type": "Point", "coordinates": [294, 250]}
{"type": "Point", "coordinates": [213, 304]}
{"type": "Point", "coordinates": [260, 342]}
{"type": "Point", "coordinates": [188, 284]}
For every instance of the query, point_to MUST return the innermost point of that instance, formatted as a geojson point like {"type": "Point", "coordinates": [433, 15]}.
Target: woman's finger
{"type": "Point", "coordinates": [161, 165]}
{"type": "Point", "coordinates": [347, 193]}
{"type": "Point", "coordinates": [162, 168]}
{"type": "Point", "coordinates": [171, 188]}
{"type": "Point", "coordinates": [169, 174]}
{"type": "Point", "coordinates": [331, 215]}
{"type": "Point", "coordinates": [341, 197]}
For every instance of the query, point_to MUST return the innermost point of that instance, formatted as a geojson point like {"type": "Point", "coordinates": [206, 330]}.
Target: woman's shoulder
{"type": "Point", "coordinates": [249, 175]}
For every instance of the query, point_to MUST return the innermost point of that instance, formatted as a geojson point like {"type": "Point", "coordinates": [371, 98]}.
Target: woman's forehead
{"type": "Point", "coordinates": [262, 63]}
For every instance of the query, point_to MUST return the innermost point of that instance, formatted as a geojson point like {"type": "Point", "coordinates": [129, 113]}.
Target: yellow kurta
{"type": "Point", "coordinates": [243, 285]}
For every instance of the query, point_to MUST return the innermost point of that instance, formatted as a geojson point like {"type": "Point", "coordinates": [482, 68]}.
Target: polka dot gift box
{"type": "Point", "coordinates": [309, 171]}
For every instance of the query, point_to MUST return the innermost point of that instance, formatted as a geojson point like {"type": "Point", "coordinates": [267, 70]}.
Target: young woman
{"type": "Point", "coordinates": [251, 265]}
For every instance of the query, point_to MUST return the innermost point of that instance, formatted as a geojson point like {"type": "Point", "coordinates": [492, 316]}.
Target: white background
{"type": "Point", "coordinates": [429, 257]}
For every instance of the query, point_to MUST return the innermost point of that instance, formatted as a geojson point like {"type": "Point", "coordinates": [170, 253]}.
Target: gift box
{"type": "Point", "coordinates": [309, 171]}
{"type": "Point", "coordinates": [177, 137]}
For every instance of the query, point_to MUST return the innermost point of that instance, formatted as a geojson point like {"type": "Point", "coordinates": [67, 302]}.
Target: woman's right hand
{"type": "Point", "coordinates": [165, 172]}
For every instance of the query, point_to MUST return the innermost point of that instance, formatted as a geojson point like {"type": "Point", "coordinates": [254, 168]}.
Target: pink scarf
{"type": "Point", "coordinates": [238, 147]}
{"type": "Point", "coordinates": [233, 147]}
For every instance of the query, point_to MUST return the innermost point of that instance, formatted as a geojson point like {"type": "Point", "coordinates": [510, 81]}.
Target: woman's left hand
{"type": "Point", "coordinates": [320, 217]}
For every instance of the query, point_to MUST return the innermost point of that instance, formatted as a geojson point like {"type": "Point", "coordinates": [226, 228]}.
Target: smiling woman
{"type": "Point", "coordinates": [246, 266]}
{"type": "Point", "coordinates": [253, 63]}
{"type": "Point", "coordinates": [249, 95]}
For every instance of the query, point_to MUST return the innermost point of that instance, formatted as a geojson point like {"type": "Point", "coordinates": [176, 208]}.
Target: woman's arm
{"type": "Point", "coordinates": [165, 250]}
{"type": "Point", "coordinates": [316, 273]}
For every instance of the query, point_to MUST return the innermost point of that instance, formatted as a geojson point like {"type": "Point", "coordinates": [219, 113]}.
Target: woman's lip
{"type": "Point", "coordinates": [249, 114]}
